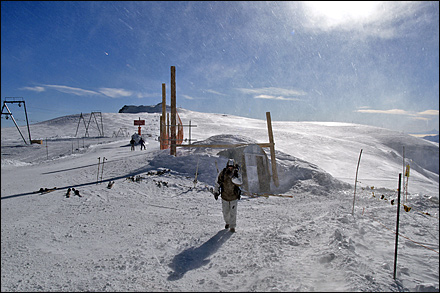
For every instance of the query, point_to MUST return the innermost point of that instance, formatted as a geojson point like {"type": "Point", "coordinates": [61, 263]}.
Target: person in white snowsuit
{"type": "Point", "coordinates": [227, 186]}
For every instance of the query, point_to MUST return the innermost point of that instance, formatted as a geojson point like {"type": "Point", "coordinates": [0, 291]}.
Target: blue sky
{"type": "Point", "coordinates": [374, 63]}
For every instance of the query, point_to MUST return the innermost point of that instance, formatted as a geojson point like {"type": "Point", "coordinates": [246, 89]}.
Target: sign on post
{"type": "Point", "coordinates": [139, 123]}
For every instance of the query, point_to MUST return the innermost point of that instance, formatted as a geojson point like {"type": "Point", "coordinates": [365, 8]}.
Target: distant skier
{"type": "Point", "coordinates": [142, 143]}
{"type": "Point", "coordinates": [132, 143]}
{"type": "Point", "coordinates": [227, 186]}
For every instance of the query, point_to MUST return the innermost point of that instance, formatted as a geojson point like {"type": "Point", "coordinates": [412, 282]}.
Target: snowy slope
{"type": "Point", "coordinates": [163, 233]}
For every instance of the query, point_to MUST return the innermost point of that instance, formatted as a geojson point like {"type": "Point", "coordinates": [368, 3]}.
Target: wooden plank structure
{"type": "Point", "coordinates": [270, 144]}
{"type": "Point", "coordinates": [164, 135]}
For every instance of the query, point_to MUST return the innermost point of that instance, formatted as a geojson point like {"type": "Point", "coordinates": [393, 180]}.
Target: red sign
{"type": "Point", "coordinates": [139, 122]}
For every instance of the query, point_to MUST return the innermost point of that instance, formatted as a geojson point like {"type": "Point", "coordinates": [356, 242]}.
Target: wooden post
{"type": "Point", "coordinates": [168, 130]}
{"type": "Point", "coordinates": [161, 131]}
{"type": "Point", "coordinates": [162, 120]}
{"type": "Point", "coordinates": [173, 111]}
{"type": "Point", "coordinates": [272, 150]}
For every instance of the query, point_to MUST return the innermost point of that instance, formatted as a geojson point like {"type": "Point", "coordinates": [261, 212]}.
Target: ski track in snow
{"type": "Point", "coordinates": [163, 234]}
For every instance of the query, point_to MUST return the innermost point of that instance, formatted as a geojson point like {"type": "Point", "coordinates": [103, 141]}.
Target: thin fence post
{"type": "Point", "coordinates": [97, 175]}
{"type": "Point", "coordinates": [397, 226]}
{"type": "Point", "coordinates": [102, 167]}
{"type": "Point", "coordinates": [355, 181]}
{"type": "Point", "coordinates": [47, 150]}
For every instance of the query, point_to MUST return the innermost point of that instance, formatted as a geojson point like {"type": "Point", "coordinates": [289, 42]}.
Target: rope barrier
{"type": "Point", "coordinates": [403, 235]}
{"type": "Point", "coordinates": [405, 207]}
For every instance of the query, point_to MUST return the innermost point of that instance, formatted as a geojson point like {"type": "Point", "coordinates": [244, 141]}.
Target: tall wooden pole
{"type": "Point", "coordinates": [272, 150]}
{"type": "Point", "coordinates": [163, 117]}
{"type": "Point", "coordinates": [168, 130]}
{"type": "Point", "coordinates": [161, 133]}
{"type": "Point", "coordinates": [173, 111]}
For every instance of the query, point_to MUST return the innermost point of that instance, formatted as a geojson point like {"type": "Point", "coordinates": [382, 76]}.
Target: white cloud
{"type": "Point", "coordinates": [72, 90]}
{"type": "Point", "coordinates": [215, 92]}
{"type": "Point", "coordinates": [272, 91]}
{"type": "Point", "coordinates": [412, 115]}
{"type": "Point", "coordinates": [147, 95]}
{"type": "Point", "coordinates": [109, 92]}
{"type": "Point", "coordinates": [421, 118]}
{"type": "Point", "coordinates": [392, 111]}
{"type": "Point", "coordinates": [429, 112]}
{"type": "Point", "coordinates": [188, 97]}
{"type": "Point", "coordinates": [35, 88]}
{"type": "Point", "coordinates": [279, 98]}
{"type": "Point", "coordinates": [115, 93]}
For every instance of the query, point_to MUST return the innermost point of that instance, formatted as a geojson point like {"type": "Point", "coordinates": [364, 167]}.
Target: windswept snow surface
{"type": "Point", "coordinates": [165, 233]}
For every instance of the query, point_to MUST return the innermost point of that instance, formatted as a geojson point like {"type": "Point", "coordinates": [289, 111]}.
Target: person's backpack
{"type": "Point", "coordinates": [237, 190]}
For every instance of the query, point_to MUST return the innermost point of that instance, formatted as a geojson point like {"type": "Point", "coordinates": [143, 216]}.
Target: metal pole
{"type": "Point", "coordinates": [79, 122]}
{"type": "Point", "coordinates": [355, 182]}
{"type": "Point", "coordinates": [102, 125]}
{"type": "Point", "coordinates": [10, 114]}
{"type": "Point", "coordinates": [397, 226]}
{"type": "Point", "coordinates": [27, 121]}
{"type": "Point", "coordinates": [97, 175]}
{"type": "Point", "coordinates": [102, 169]}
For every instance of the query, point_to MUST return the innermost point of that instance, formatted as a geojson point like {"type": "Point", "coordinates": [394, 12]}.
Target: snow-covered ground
{"type": "Point", "coordinates": [163, 233]}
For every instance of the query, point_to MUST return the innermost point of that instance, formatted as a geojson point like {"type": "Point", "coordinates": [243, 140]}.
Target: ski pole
{"type": "Point", "coordinates": [97, 175]}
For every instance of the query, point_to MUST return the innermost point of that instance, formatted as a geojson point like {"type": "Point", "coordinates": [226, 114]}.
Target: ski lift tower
{"type": "Point", "coordinates": [19, 101]}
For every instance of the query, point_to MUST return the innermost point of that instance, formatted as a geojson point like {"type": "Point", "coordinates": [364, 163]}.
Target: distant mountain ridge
{"type": "Point", "coordinates": [142, 108]}
{"type": "Point", "coordinates": [433, 131]}
{"type": "Point", "coordinates": [433, 138]}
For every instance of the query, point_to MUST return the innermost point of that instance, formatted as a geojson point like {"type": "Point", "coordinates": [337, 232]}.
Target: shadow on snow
{"type": "Point", "coordinates": [194, 258]}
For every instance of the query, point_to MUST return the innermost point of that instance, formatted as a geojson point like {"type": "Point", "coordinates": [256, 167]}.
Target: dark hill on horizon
{"type": "Point", "coordinates": [142, 108]}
